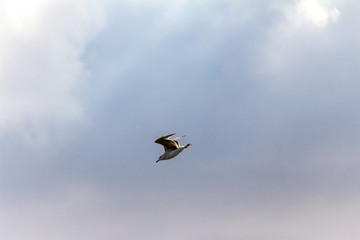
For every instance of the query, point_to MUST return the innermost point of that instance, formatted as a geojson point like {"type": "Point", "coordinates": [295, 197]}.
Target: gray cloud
{"type": "Point", "coordinates": [83, 213]}
{"type": "Point", "coordinates": [41, 66]}
{"type": "Point", "coordinates": [285, 131]}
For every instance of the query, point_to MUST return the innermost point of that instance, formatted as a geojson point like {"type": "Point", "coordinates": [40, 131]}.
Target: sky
{"type": "Point", "coordinates": [267, 92]}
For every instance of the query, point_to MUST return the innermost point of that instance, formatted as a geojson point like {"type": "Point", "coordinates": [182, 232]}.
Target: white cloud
{"type": "Point", "coordinates": [296, 32]}
{"type": "Point", "coordinates": [311, 12]}
{"type": "Point", "coordinates": [40, 66]}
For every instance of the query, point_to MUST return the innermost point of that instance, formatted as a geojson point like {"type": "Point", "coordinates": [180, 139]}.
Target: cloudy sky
{"type": "Point", "coordinates": [268, 93]}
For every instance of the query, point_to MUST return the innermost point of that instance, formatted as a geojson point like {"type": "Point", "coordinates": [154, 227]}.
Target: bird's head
{"type": "Point", "coordinates": [160, 158]}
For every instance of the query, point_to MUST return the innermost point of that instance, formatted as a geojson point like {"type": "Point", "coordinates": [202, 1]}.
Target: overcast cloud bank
{"type": "Point", "coordinates": [267, 93]}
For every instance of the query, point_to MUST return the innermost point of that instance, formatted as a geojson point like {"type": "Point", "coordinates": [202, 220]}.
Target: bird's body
{"type": "Point", "coordinates": [171, 146]}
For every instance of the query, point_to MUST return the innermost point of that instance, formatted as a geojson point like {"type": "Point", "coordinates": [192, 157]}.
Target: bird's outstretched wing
{"type": "Point", "coordinates": [168, 143]}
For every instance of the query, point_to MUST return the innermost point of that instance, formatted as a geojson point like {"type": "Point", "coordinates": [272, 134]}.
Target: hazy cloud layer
{"type": "Point", "coordinates": [268, 93]}
{"type": "Point", "coordinates": [82, 214]}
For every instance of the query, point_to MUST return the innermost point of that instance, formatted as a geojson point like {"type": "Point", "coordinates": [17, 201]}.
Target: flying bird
{"type": "Point", "coordinates": [171, 146]}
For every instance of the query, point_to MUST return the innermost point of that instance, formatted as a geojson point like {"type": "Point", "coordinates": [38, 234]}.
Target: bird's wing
{"type": "Point", "coordinates": [177, 143]}
{"type": "Point", "coordinates": [167, 136]}
{"type": "Point", "coordinates": [168, 143]}
{"type": "Point", "coordinates": [164, 138]}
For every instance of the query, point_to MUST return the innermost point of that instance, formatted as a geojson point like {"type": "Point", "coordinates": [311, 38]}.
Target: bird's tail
{"type": "Point", "coordinates": [188, 145]}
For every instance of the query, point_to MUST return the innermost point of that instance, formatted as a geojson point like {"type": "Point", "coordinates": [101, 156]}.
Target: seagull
{"type": "Point", "coordinates": [171, 146]}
